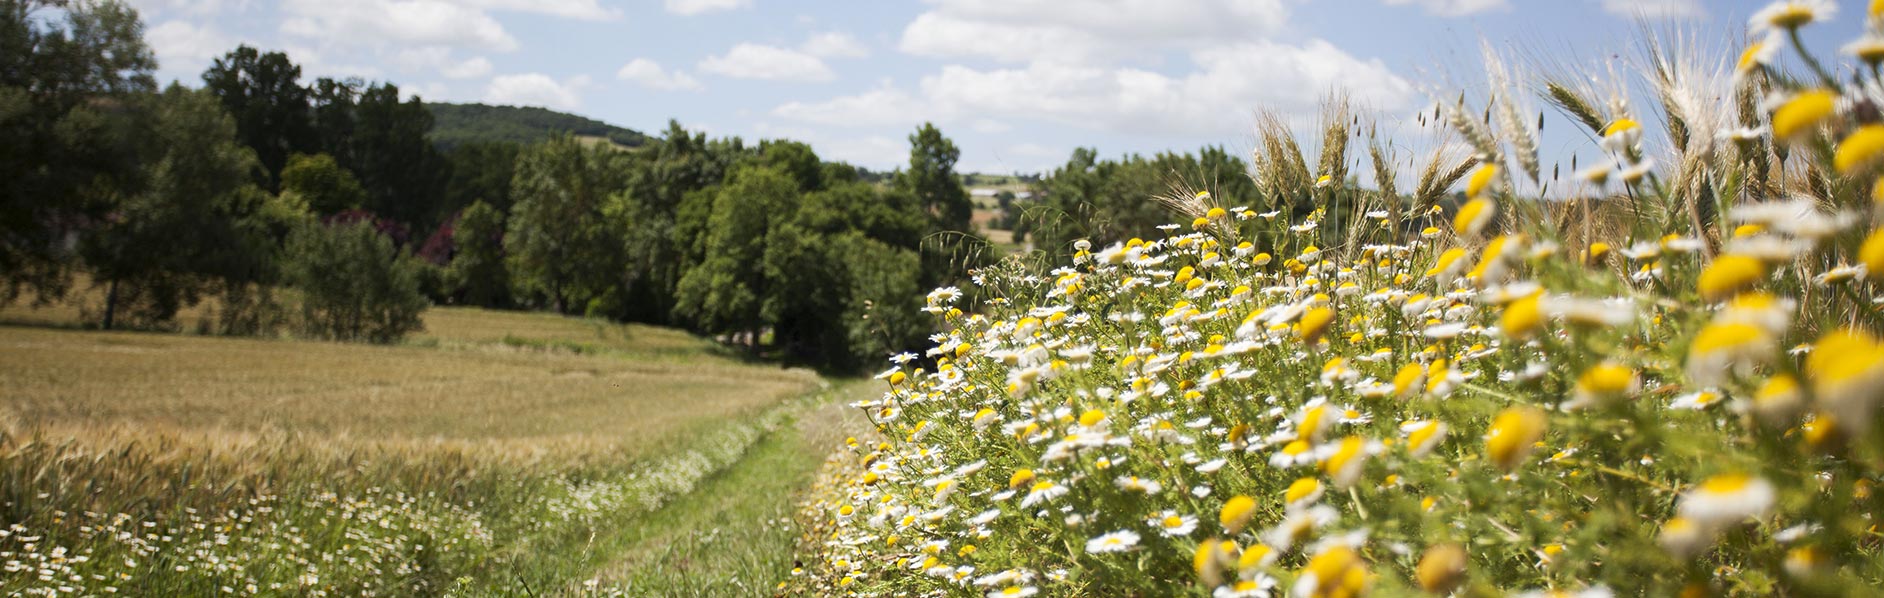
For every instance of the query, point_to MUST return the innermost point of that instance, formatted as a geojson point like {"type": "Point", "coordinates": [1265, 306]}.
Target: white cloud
{"type": "Point", "coordinates": [438, 59]}
{"type": "Point", "coordinates": [1026, 30]}
{"type": "Point", "coordinates": [649, 74]}
{"type": "Point", "coordinates": [694, 7]}
{"type": "Point", "coordinates": [536, 89]}
{"type": "Point", "coordinates": [409, 22]}
{"type": "Point", "coordinates": [180, 44]}
{"type": "Point", "coordinates": [1459, 8]}
{"type": "Point", "coordinates": [878, 107]}
{"type": "Point", "coordinates": [834, 44]}
{"type": "Point", "coordinates": [1219, 94]}
{"type": "Point", "coordinates": [469, 69]}
{"type": "Point", "coordinates": [989, 126]}
{"type": "Point", "coordinates": [588, 10]}
{"type": "Point", "coordinates": [754, 61]}
{"type": "Point", "coordinates": [1654, 9]}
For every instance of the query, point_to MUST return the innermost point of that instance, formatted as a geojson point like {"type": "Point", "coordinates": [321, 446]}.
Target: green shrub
{"type": "Point", "coordinates": [355, 286]}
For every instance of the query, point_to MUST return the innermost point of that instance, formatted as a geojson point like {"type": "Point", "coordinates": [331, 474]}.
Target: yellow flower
{"type": "Point", "coordinates": [1723, 348]}
{"type": "Point", "coordinates": [1344, 466]}
{"type": "Point", "coordinates": [1758, 53]}
{"type": "Point", "coordinates": [1596, 253]}
{"type": "Point", "coordinates": [1021, 477]}
{"type": "Point", "coordinates": [1726, 498]}
{"type": "Point", "coordinates": [1215, 214]}
{"type": "Point", "coordinates": [1729, 274]}
{"type": "Point", "coordinates": [1314, 324]}
{"type": "Point", "coordinates": [1442, 568]}
{"type": "Point", "coordinates": [897, 378]}
{"type": "Point", "coordinates": [1604, 383]}
{"type": "Point", "coordinates": [1871, 254]}
{"type": "Point", "coordinates": [1522, 318]}
{"type": "Point", "coordinates": [1778, 401]}
{"type": "Point", "coordinates": [1092, 418]}
{"type": "Point", "coordinates": [1255, 557]}
{"type": "Point", "coordinates": [1236, 513]}
{"type": "Point", "coordinates": [1337, 572]}
{"type": "Point", "coordinates": [1513, 434]}
{"type": "Point", "coordinates": [1423, 437]}
{"type": "Point", "coordinates": [1448, 264]}
{"type": "Point", "coordinates": [1211, 558]}
{"type": "Point", "coordinates": [1684, 538]}
{"type": "Point", "coordinates": [1302, 492]}
{"type": "Point", "coordinates": [1473, 216]}
{"type": "Point", "coordinates": [1846, 368]}
{"type": "Point", "coordinates": [1803, 113]}
{"type": "Point", "coordinates": [1408, 379]}
{"type": "Point", "coordinates": [1859, 150]}
{"type": "Point", "coordinates": [1481, 180]}
{"type": "Point", "coordinates": [1621, 135]}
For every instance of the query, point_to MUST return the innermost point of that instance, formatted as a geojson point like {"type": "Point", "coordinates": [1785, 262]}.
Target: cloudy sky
{"type": "Point", "coordinates": [1017, 83]}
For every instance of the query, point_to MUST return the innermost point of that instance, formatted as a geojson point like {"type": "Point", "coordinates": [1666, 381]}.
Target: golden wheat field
{"type": "Point", "coordinates": [497, 451]}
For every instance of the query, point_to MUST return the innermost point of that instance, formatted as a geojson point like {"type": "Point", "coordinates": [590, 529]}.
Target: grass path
{"type": "Point", "coordinates": [734, 534]}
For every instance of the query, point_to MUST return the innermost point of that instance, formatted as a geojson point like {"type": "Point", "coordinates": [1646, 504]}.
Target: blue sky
{"type": "Point", "coordinates": [1016, 83]}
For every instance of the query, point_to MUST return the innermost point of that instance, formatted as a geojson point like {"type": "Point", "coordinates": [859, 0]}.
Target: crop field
{"type": "Point", "coordinates": [495, 453]}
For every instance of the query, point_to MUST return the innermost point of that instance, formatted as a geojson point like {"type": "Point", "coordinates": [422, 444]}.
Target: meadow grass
{"type": "Point", "coordinates": [499, 452]}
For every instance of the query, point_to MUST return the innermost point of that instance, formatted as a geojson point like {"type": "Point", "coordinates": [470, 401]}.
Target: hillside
{"type": "Point", "coordinates": [456, 124]}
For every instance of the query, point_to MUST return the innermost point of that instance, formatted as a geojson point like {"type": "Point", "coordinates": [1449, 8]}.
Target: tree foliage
{"type": "Point", "coordinates": [354, 285]}
{"type": "Point", "coordinates": [477, 274]}
{"type": "Point", "coordinates": [559, 247]}
{"type": "Point", "coordinates": [320, 183]}
{"type": "Point", "coordinates": [71, 79]}
{"type": "Point", "coordinates": [263, 91]}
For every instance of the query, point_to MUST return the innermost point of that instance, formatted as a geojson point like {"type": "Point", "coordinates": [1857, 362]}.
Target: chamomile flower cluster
{"type": "Point", "coordinates": [1625, 392]}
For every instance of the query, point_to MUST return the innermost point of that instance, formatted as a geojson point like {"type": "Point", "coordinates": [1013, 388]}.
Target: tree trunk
{"type": "Point", "coordinates": [111, 303]}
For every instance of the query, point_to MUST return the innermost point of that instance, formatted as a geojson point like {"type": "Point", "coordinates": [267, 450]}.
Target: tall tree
{"type": "Point", "coordinates": [263, 92]}
{"type": "Point", "coordinates": [332, 102]}
{"type": "Point", "coordinates": [559, 244]}
{"type": "Point", "coordinates": [71, 75]}
{"type": "Point", "coordinates": [477, 274]}
{"type": "Point", "coordinates": [726, 293]}
{"type": "Point", "coordinates": [165, 245]}
{"type": "Point", "coordinates": [931, 177]}
{"type": "Point", "coordinates": [403, 173]}
{"type": "Point", "coordinates": [480, 172]}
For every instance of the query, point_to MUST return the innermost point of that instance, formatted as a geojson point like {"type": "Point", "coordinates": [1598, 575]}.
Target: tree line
{"type": "Point", "coordinates": [323, 207]}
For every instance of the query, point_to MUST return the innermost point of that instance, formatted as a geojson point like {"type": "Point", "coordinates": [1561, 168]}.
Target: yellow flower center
{"type": "Point", "coordinates": [1803, 112]}
{"type": "Point", "coordinates": [1729, 274]}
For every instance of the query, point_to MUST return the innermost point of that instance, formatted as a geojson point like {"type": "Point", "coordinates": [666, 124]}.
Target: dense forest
{"type": "Point", "coordinates": [458, 124]}
{"type": "Point", "coordinates": [340, 208]}
{"type": "Point", "coordinates": [325, 208]}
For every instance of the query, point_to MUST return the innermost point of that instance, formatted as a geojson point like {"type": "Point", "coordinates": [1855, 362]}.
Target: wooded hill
{"type": "Point", "coordinates": [458, 124]}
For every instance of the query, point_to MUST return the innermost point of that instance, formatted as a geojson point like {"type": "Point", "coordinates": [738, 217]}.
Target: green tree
{"type": "Point", "coordinates": [71, 75]}
{"type": "Point", "coordinates": [354, 285]}
{"type": "Point", "coordinates": [332, 103]}
{"type": "Point", "coordinates": [263, 92]}
{"type": "Point", "coordinates": [190, 225]}
{"type": "Point", "coordinates": [403, 174]}
{"type": "Point", "coordinates": [320, 183]}
{"type": "Point", "coordinates": [559, 243]}
{"type": "Point", "coordinates": [882, 312]}
{"type": "Point", "coordinates": [931, 177]}
{"type": "Point", "coordinates": [664, 212]}
{"type": "Point", "coordinates": [477, 274]}
{"type": "Point", "coordinates": [726, 292]}
{"type": "Point", "coordinates": [480, 172]}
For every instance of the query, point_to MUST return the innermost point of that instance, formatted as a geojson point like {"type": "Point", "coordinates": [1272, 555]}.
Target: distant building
{"type": "Point", "coordinates": [982, 192]}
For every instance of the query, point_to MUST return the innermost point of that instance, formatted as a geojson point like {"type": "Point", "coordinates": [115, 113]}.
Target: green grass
{"type": "Point", "coordinates": [735, 535]}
